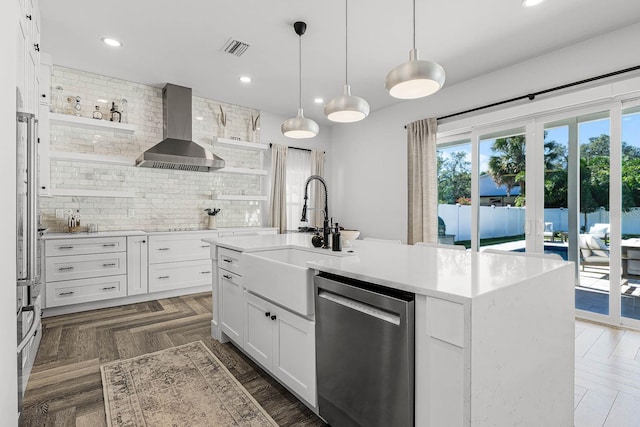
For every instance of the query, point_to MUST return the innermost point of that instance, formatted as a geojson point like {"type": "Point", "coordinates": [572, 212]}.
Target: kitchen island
{"type": "Point", "coordinates": [494, 334]}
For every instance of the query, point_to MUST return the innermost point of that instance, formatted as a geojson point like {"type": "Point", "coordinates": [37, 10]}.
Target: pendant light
{"type": "Point", "coordinates": [299, 126]}
{"type": "Point", "coordinates": [416, 78]}
{"type": "Point", "coordinates": [346, 108]}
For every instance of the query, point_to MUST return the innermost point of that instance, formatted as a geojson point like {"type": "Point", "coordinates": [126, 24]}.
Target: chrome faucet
{"type": "Point", "coordinates": [326, 231]}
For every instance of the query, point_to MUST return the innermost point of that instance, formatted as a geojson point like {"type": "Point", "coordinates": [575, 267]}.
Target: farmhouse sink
{"type": "Point", "coordinates": [281, 275]}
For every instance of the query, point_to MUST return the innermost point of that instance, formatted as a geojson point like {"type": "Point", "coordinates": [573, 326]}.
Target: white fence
{"type": "Point", "coordinates": [503, 221]}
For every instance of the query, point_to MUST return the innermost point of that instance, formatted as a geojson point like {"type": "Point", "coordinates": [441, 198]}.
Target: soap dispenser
{"type": "Point", "coordinates": [316, 240]}
{"type": "Point", "coordinates": [336, 243]}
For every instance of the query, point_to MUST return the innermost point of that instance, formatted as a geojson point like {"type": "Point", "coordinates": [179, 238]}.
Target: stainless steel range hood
{"type": "Point", "coordinates": [177, 150]}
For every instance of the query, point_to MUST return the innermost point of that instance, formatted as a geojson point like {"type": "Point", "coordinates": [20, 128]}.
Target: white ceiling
{"type": "Point", "coordinates": [180, 42]}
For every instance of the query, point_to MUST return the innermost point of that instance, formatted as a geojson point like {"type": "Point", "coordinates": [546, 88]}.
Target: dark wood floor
{"type": "Point", "coordinates": [65, 388]}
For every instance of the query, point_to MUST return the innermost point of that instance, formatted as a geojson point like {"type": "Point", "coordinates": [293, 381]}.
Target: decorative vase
{"type": "Point", "coordinates": [212, 222]}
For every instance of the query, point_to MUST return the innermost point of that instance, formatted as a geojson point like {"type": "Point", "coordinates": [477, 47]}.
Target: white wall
{"type": "Point", "coordinates": [270, 133]}
{"type": "Point", "coordinates": [8, 331]}
{"type": "Point", "coordinates": [369, 158]}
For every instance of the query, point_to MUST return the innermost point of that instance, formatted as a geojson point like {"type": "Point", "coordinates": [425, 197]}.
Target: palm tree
{"type": "Point", "coordinates": [508, 168]}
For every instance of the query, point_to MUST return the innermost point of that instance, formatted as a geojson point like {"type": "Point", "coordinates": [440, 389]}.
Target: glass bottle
{"type": "Point", "coordinates": [58, 100]}
{"type": "Point", "coordinates": [115, 114]}
{"type": "Point", "coordinates": [124, 111]}
{"type": "Point", "coordinates": [77, 107]}
{"type": "Point", "coordinates": [97, 114]}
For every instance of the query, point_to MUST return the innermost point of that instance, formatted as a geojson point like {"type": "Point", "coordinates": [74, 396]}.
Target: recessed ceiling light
{"type": "Point", "coordinates": [111, 42]}
{"type": "Point", "coordinates": [318, 100]}
{"type": "Point", "coordinates": [245, 79]}
{"type": "Point", "coordinates": [104, 101]}
{"type": "Point", "coordinates": [531, 3]}
{"type": "Point", "coordinates": [199, 118]}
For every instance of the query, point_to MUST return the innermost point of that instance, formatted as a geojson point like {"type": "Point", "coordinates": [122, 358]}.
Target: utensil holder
{"type": "Point", "coordinates": [74, 229]}
{"type": "Point", "coordinates": [212, 222]}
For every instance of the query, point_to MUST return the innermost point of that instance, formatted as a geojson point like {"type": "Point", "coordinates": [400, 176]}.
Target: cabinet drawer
{"type": "Point", "coordinates": [98, 245]}
{"type": "Point", "coordinates": [178, 275]}
{"type": "Point", "coordinates": [445, 321]}
{"type": "Point", "coordinates": [229, 260]}
{"type": "Point", "coordinates": [85, 266]}
{"type": "Point", "coordinates": [85, 290]}
{"type": "Point", "coordinates": [177, 248]}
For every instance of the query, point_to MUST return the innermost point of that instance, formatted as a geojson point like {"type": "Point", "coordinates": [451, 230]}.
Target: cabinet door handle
{"type": "Point", "coordinates": [226, 260]}
{"type": "Point", "coordinates": [163, 249]}
{"type": "Point", "coordinates": [226, 276]}
{"type": "Point", "coordinates": [163, 277]}
{"type": "Point", "coordinates": [65, 268]}
{"type": "Point", "coordinates": [110, 287]}
{"type": "Point", "coordinates": [65, 247]}
{"type": "Point", "coordinates": [65, 293]}
{"type": "Point", "coordinates": [107, 245]}
{"type": "Point", "coordinates": [205, 272]}
{"type": "Point", "coordinates": [111, 264]}
{"type": "Point", "coordinates": [29, 17]}
{"type": "Point", "coordinates": [273, 317]}
{"type": "Point", "coordinates": [36, 46]}
{"type": "Point", "coordinates": [267, 314]}
{"type": "Point", "coordinates": [204, 246]}
{"type": "Point", "coordinates": [144, 241]}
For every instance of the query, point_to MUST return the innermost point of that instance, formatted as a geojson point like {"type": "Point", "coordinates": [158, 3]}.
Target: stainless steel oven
{"type": "Point", "coordinates": [364, 353]}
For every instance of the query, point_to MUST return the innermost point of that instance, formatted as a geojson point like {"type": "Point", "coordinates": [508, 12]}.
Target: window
{"type": "Point", "coordinates": [298, 170]}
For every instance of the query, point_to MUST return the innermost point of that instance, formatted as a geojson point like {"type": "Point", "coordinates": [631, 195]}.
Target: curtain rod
{"type": "Point", "coordinates": [295, 148]}
{"type": "Point", "coordinates": [532, 96]}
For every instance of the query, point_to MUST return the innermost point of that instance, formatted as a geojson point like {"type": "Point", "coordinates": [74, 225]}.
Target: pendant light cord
{"type": "Point", "coordinates": [300, 71]}
{"type": "Point", "coordinates": [414, 24]}
{"type": "Point", "coordinates": [346, 44]}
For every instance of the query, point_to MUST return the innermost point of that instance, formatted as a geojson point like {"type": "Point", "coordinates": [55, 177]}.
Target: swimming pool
{"type": "Point", "coordinates": [560, 250]}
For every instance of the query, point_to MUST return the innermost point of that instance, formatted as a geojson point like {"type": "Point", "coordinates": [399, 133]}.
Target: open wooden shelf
{"type": "Point", "coordinates": [94, 124]}
{"type": "Point", "coordinates": [92, 158]}
{"type": "Point", "coordinates": [240, 197]}
{"type": "Point", "coordinates": [240, 144]}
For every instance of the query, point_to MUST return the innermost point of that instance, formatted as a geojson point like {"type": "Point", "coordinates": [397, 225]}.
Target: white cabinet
{"type": "Point", "coordinates": [283, 343]}
{"type": "Point", "coordinates": [179, 261]}
{"type": "Point", "coordinates": [137, 265]}
{"type": "Point", "coordinates": [84, 270]}
{"type": "Point", "coordinates": [28, 47]}
{"type": "Point", "coordinates": [233, 306]}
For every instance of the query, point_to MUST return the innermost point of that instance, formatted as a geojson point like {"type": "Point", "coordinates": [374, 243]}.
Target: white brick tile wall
{"type": "Point", "coordinates": [162, 198]}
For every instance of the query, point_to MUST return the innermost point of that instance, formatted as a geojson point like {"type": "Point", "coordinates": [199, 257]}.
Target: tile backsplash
{"type": "Point", "coordinates": [145, 198]}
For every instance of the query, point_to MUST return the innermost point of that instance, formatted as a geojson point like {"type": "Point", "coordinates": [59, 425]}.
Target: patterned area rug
{"type": "Point", "coordinates": [179, 386]}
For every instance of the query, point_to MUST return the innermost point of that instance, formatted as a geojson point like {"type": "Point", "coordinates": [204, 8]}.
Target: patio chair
{"type": "Point", "coordinates": [548, 233]}
{"type": "Point", "coordinates": [593, 251]}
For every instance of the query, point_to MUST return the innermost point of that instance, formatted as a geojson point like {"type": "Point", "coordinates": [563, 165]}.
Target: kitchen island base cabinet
{"type": "Point", "coordinates": [284, 344]}
{"type": "Point", "coordinates": [502, 358]}
{"type": "Point", "coordinates": [232, 311]}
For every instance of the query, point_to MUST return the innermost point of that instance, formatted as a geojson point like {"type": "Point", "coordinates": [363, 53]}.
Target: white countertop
{"type": "Point", "coordinates": [84, 234]}
{"type": "Point", "coordinates": [418, 269]}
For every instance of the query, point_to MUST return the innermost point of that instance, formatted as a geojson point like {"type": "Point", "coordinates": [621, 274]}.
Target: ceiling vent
{"type": "Point", "coordinates": [235, 47]}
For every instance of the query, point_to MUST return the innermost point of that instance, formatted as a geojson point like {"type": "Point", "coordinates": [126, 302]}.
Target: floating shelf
{"type": "Point", "coordinates": [94, 124]}
{"type": "Point", "coordinates": [240, 197]}
{"type": "Point", "coordinates": [92, 158]}
{"type": "Point", "coordinates": [90, 193]}
{"type": "Point", "coordinates": [243, 171]}
{"type": "Point", "coordinates": [241, 144]}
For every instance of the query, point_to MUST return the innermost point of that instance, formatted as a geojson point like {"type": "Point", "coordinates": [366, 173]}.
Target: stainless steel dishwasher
{"type": "Point", "coordinates": [364, 353]}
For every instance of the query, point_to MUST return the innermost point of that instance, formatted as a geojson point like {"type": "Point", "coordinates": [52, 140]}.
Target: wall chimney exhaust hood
{"type": "Point", "coordinates": [177, 150]}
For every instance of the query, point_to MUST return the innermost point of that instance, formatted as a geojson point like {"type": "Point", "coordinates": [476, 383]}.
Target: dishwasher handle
{"type": "Point", "coordinates": [360, 306]}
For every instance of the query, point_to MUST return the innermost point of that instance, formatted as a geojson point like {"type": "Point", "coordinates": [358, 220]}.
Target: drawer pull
{"type": "Point", "coordinates": [267, 314]}
{"type": "Point", "coordinates": [65, 268]}
{"type": "Point", "coordinates": [226, 260]}
{"type": "Point", "coordinates": [163, 249]}
{"type": "Point", "coordinates": [163, 277]}
{"type": "Point", "coordinates": [111, 264]}
{"type": "Point", "coordinates": [65, 247]}
{"type": "Point", "coordinates": [109, 288]}
{"type": "Point", "coordinates": [205, 272]}
{"type": "Point", "coordinates": [204, 246]}
{"type": "Point", "coordinates": [226, 276]}
{"type": "Point", "coordinates": [273, 317]}
{"type": "Point", "coordinates": [65, 293]}
{"type": "Point", "coordinates": [107, 245]}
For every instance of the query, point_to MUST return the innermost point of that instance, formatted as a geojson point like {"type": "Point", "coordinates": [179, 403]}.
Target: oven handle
{"type": "Point", "coordinates": [32, 329]}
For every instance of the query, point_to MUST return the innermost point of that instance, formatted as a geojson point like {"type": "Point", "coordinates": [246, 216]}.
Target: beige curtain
{"type": "Point", "coordinates": [317, 190]}
{"type": "Point", "coordinates": [423, 181]}
{"type": "Point", "coordinates": [278, 206]}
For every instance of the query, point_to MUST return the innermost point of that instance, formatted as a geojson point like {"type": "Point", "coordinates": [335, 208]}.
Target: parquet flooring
{"type": "Point", "coordinates": [65, 388]}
